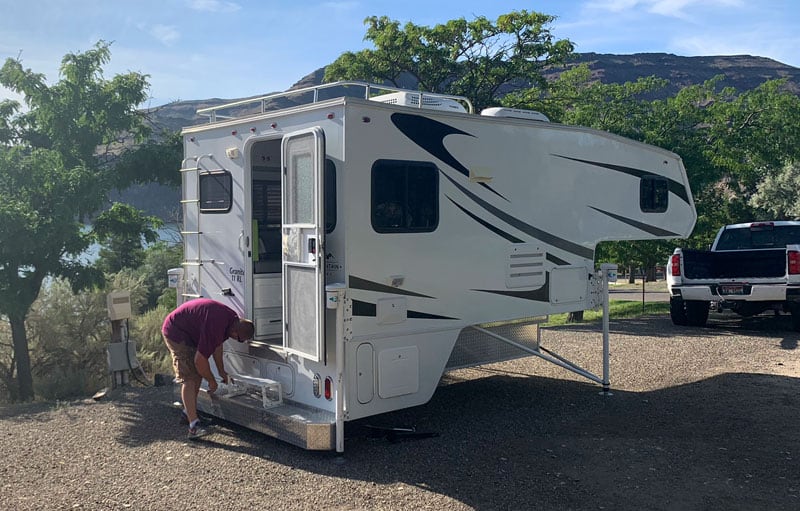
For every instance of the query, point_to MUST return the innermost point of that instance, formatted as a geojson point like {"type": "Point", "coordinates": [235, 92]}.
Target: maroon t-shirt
{"type": "Point", "coordinates": [202, 323]}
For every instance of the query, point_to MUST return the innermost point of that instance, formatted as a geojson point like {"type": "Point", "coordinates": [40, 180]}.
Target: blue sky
{"type": "Point", "coordinates": [198, 49]}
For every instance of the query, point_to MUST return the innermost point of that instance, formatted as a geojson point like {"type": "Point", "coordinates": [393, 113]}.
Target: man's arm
{"type": "Point", "coordinates": [220, 364]}
{"type": "Point", "coordinates": [204, 370]}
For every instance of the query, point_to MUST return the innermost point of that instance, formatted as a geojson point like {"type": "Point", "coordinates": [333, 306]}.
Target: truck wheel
{"type": "Point", "coordinates": [677, 312]}
{"type": "Point", "coordinates": [696, 312]}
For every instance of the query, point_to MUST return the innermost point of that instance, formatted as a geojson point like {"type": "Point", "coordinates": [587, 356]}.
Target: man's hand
{"type": "Point", "coordinates": [224, 377]}
{"type": "Point", "coordinates": [212, 385]}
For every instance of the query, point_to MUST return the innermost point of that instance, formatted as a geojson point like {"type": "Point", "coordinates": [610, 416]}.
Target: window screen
{"type": "Point", "coordinates": [653, 194]}
{"type": "Point", "coordinates": [215, 191]}
{"type": "Point", "coordinates": [405, 196]}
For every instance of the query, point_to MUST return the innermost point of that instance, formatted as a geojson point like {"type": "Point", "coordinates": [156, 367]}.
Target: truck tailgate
{"type": "Point", "coordinates": [739, 264]}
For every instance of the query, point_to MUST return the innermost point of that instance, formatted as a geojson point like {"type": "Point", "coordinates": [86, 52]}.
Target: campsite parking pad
{"type": "Point", "coordinates": [699, 419]}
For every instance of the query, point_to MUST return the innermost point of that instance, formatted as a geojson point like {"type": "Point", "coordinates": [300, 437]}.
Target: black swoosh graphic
{"type": "Point", "coordinates": [538, 295]}
{"type": "Point", "coordinates": [539, 234]}
{"type": "Point", "coordinates": [367, 309]}
{"type": "Point", "coordinates": [429, 135]}
{"type": "Point", "coordinates": [655, 231]}
{"type": "Point", "coordinates": [486, 224]}
{"type": "Point", "coordinates": [368, 285]}
{"type": "Point", "coordinates": [674, 186]}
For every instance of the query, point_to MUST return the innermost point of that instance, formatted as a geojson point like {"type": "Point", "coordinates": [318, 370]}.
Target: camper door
{"type": "Point", "coordinates": [303, 159]}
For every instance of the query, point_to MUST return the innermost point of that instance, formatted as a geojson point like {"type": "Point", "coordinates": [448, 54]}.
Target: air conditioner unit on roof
{"type": "Point", "coordinates": [428, 101]}
{"type": "Point", "coordinates": [516, 113]}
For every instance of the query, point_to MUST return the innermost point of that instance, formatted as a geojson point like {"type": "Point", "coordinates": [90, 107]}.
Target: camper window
{"type": "Point", "coordinates": [405, 196]}
{"type": "Point", "coordinates": [653, 194]}
{"type": "Point", "coordinates": [215, 191]}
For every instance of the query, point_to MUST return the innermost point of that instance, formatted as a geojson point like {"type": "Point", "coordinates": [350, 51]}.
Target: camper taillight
{"type": "Point", "coordinates": [793, 262]}
{"type": "Point", "coordinates": [675, 265]}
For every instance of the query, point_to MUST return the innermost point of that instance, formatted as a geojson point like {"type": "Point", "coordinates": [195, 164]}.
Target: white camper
{"type": "Point", "coordinates": [372, 237]}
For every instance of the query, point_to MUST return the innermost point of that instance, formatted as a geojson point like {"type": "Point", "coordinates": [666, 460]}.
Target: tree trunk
{"type": "Point", "coordinates": [575, 317]}
{"type": "Point", "coordinates": [22, 357]}
{"type": "Point", "coordinates": [631, 275]}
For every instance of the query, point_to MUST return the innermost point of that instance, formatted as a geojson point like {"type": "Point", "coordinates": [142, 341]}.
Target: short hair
{"type": "Point", "coordinates": [246, 329]}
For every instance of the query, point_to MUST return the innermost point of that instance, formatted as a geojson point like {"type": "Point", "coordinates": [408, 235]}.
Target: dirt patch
{"type": "Point", "coordinates": [699, 419]}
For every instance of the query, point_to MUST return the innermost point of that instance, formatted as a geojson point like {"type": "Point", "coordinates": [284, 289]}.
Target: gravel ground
{"type": "Point", "coordinates": [699, 419]}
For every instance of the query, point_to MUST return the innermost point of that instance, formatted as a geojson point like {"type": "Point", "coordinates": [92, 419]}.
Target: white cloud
{"type": "Point", "coordinates": [213, 5]}
{"type": "Point", "coordinates": [668, 8]}
{"type": "Point", "coordinates": [167, 34]}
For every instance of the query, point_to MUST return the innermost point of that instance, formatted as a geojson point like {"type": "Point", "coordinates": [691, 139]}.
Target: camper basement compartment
{"type": "Point", "coordinates": [379, 237]}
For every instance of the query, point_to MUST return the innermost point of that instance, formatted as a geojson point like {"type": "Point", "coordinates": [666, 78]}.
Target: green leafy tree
{"type": "Point", "coordinates": [52, 178]}
{"type": "Point", "coordinates": [123, 230]}
{"type": "Point", "coordinates": [478, 59]}
{"type": "Point", "coordinates": [779, 193]}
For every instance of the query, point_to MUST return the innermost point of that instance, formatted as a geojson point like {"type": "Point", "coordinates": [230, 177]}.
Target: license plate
{"type": "Point", "coordinates": [731, 289]}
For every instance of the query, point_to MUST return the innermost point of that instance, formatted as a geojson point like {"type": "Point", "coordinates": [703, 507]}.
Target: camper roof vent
{"type": "Point", "coordinates": [516, 113]}
{"type": "Point", "coordinates": [428, 101]}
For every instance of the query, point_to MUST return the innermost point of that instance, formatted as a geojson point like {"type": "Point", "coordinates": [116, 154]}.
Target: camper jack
{"type": "Point", "coordinates": [379, 237]}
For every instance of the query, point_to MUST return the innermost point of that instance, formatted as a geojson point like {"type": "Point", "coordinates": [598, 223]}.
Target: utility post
{"type": "Point", "coordinates": [120, 359]}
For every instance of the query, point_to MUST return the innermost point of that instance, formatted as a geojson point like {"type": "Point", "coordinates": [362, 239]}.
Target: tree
{"type": "Point", "coordinates": [51, 178]}
{"type": "Point", "coordinates": [122, 230]}
{"type": "Point", "coordinates": [779, 193]}
{"type": "Point", "coordinates": [477, 59]}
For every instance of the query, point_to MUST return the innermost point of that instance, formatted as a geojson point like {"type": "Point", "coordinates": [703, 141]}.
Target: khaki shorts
{"type": "Point", "coordinates": [183, 361]}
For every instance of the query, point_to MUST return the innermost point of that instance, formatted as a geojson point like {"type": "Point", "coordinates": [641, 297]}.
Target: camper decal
{"type": "Point", "coordinates": [368, 285]}
{"type": "Point", "coordinates": [655, 231]}
{"type": "Point", "coordinates": [430, 135]}
{"type": "Point", "coordinates": [496, 230]}
{"type": "Point", "coordinates": [674, 186]}
{"type": "Point", "coordinates": [539, 234]}
{"type": "Point", "coordinates": [366, 309]}
{"type": "Point", "coordinates": [537, 295]}
{"type": "Point", "coordinates": [236, 275]}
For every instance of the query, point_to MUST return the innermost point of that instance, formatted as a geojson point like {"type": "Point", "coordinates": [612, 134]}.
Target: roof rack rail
{"type": "Point", "coordinates": [370, 90]}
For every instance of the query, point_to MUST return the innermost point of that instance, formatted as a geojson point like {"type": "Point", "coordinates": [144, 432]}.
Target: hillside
{"type": "Point", "coordinates": [740, 71]}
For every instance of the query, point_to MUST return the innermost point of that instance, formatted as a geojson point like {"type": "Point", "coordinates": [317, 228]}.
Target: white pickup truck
{"type": "Point", "coordinates": [751, 268]}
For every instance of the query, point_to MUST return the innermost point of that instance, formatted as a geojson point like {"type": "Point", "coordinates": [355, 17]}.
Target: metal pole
{"type": "Point", "coordinates": [609, 273]}
{"type": "Point", "coordinates": [334, 299]}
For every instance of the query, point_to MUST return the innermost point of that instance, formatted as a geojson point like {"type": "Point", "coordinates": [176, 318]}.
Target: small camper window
{"type": "Point", "coordinates": [653, 194]}
{"type": "Point", "coordinates": [405, 196]}
{"type": "Point", "coordinates": [215, 191]}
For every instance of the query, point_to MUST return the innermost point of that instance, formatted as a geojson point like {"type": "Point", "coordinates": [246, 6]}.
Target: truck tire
{"type": "Point", "coordinates": [677, 312]}
{"type": "Point", "coordinates": [696, 312]}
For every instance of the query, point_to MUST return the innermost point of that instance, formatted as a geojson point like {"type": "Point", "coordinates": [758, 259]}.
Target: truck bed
{"type": "Point", "coordinates": [739, 264]}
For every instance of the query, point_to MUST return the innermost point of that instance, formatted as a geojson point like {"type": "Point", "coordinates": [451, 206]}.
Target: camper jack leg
{"type": "Point", "coordinates": [609, 272]}
{"type": "Point", "coordinates": [545, 354]}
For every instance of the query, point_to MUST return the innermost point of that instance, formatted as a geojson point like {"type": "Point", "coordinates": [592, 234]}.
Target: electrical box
{"type": "Point", "coordinates": [122, 356]}
{"type": "Point", "coordinates": [119, 305]}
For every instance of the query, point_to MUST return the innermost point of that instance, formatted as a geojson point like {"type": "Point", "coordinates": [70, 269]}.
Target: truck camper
{"type": "Point", "coordinates": [381, 237]}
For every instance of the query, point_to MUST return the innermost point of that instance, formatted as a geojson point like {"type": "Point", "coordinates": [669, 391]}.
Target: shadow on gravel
{"type": "Point", "coordinates": [511, 441]}
{"type": "Point", "coordinates": [514, 441]}
{"type": "Point", "coordinates": [719, 325]}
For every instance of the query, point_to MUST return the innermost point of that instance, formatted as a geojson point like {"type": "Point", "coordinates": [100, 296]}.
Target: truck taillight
{"type": "Point", "coordinates": [793, 262]}
{"type": "Point", "coordinates": [675, 265]}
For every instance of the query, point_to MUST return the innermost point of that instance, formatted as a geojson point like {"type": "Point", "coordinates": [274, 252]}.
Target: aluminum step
{"type": "Point", "coordinates": [310, 428]}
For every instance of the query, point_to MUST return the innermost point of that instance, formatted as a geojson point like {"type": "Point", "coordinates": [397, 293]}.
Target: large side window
{"type": "Point", "coordinates": [653, 194]}
{"type": "Point", "coordinates": [215, 191]}
{"type": "Point", "coordinates": [405, 196]}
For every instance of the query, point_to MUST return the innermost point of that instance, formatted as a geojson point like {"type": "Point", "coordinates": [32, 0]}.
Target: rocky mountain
{"type": "Point", "coordinates": [740, 71]}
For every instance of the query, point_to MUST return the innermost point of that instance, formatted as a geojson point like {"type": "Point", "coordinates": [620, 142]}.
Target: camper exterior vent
{"type": "Point", "coordinates": [516, 113]}
{"type": "Point", "coordinates": [428, 101]}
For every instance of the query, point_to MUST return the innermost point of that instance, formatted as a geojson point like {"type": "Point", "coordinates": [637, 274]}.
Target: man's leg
{"type": "Point", "coordinates": [189, 391]}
